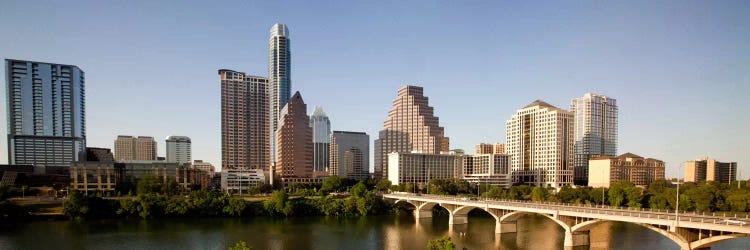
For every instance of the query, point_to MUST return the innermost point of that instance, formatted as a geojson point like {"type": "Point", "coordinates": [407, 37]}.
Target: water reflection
{"type": "Point", "coordinates": [382, 232]}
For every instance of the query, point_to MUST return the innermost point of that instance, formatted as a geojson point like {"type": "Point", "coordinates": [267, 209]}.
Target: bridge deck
{"type": "Point", "coordinates": [655, 217]}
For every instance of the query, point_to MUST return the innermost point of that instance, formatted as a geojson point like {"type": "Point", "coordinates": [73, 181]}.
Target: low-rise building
{"type": "Point", "coordinates": [489, 169]}
{"type": "Point", "coordinates": [104, 176]}
{"type": "Point", "coordinates": [419, 168]}
{"type": "Point", "coordinates": [707, 169]}
{"type": "Point", "coordinates": [240, 180]}
{"type": "Point", "coordinates": [605, 170]}
{"type": "Point", "coordinates": [205, 166]}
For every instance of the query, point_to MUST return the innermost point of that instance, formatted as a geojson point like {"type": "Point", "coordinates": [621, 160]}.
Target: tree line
{"type": "Point", "coordinates": [660, 194]}
{"type": "Point", "coordinates": [155, 199]}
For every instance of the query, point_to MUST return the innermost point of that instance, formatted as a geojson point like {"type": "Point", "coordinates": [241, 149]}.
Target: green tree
{"type": "Point", "coordinates": [359, 190]}
{"type": "Point", "coordinates": [177, 207]}
{"type": "Point", "coordinates": [241, 245]}
{"type": "Point", "coordinates": [149, 184]}
{"type": "Point", "coordinates": [634, 195]}
{"type": "Point", "coordinates": [383, 185]}
{"type": "Point", "coordinates": [538, 194]}
{"type": "Point", "coordinates": [77, 206]}
{"type": "Point", "coordinates": [331, 184]}
{"type": "Point", "coordinates": [279, 204]}
{"type": "Point", "coordinates": [617, 194]}
{"type": "Point", "coordinates": [598, 195]}
{"type": "Point", "coordinates": [495, 192]}
{"type": "Point", "coordinates": [235, 206]}
{"type": "Point", "coordinates": [739, 200]}
{"type": "Point", "coordinates": [444, 243]}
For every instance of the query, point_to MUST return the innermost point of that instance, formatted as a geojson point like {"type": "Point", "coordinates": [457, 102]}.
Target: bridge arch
{"type": "Point", "coordinates": [464, 210]}
{"type": "Point", "coordinates": [513, 216]}
{"type": "Point", "coordinates": [407, 202]}
{"type": "Point", "coordinates": [707, 242]}
{"type": "Point", "coordinates": [676, 238]}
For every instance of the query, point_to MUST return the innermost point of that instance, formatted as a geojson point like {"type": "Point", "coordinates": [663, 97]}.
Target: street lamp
{"type": "Point", "coordinates": [677, 206]}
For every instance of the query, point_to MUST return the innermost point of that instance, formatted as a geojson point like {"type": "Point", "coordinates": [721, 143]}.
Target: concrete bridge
{"type": "Point", "coordinates": [688, 230]}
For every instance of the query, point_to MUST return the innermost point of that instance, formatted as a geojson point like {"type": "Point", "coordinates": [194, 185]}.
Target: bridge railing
{"type": "Point", "coordinates": [664, 214]}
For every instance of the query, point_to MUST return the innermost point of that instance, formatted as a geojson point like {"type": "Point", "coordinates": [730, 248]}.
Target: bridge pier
{"type": "Point", "coordinates": [421, 214]}
{"type": "Point", "coordinates": [456, 219]}
{"type": "Point", "coordinates": [505, 227]}
{"type": "Point", "coordinates": [574, 239]}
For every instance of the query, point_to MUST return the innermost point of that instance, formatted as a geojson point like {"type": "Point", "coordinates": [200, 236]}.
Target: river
{"type": "Point", "coordinates": [375, 232]}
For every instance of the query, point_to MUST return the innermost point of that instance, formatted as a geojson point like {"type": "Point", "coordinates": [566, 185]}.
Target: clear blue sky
{"type": "Point", "coordinates": [680, 70]}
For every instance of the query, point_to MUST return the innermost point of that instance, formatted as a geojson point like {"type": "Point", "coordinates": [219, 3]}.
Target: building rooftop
{"type": "Point", "coordinates": [349, 132]}
{"type": "Point", "coordinates": [541, 104]}
{"type": "Point", "coordinates": [318, 111]}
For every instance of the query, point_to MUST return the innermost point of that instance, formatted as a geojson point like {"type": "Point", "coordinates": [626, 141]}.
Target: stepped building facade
{"type": "Point", "coordinates": [410, 126]}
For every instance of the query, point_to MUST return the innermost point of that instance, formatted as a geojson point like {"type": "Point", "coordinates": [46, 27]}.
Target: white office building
{"type": "Point", "coordinates": [240, 180]}
{"type": "Point", "coordinates": [179, 149]}
{"type": "Point", "coordinates": [419, 168]}
{"type": "Point", "coordinates": [539, 141]}
{"type": "Point", "coordinates": [491, 169]}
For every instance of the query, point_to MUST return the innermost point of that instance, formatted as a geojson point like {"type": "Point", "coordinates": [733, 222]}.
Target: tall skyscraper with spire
{"type": "Point", "coordinates": [279, 79]}
{"type": "Point", "coordinates": [321, 127]}
{"type": "Point", "coordinates": [410, 126]}
{"type": "Point", "coordinates": [595, 132]}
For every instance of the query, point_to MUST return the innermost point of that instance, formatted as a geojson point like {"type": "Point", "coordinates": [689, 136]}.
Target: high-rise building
{"type": "Point", "coordinates": [539, 140]}
{"type": "Point", "coordinates": [708, 169]}
{"type": "Point", "coordinates": [595, 122]}
{"type": "Point", "coordinates": [350, 155]}
{"type": "Point", "coordinates": [129, 148]}
{"type": "Point", "coordinates": [279, 79]}
{"type": "Point", "coordinates": [179, 149]}
{"type": "Point", "coordinates": [321, 127]}
{"type": "Point", "coordinates": [410, 126]}
{"type": "Point", "coordinates": [605, 170]}
{"type": "Point", "coordinates": [244, 121]}
{"type": "Point", "coordinates": [420, 168]}
{"type": "Point", "coordinates": [294, 137]}
{"type": "Point", "coordinates": [46, 113]}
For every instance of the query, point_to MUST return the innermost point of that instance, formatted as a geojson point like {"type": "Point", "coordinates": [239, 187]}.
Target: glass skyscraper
{"type": "Point", "coordinates": [321, 128]}
{"type": "Point", "coordinates": [279, 78]}
{"type": "Point", "coordinates": [46, 108]}
{"type": "Point", "coordinates": [595, 132]}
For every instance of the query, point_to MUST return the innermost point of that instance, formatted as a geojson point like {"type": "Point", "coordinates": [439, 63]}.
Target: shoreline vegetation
{"type": "Point", "coordinates": [152, 199]}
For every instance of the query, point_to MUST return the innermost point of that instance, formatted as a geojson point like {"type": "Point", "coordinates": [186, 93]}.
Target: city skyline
{"type": "Point", "coordinates": [650, 79]}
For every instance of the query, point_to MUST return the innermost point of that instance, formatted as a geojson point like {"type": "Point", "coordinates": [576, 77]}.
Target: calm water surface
{"type": "Point", "coordinates": [378, 232]}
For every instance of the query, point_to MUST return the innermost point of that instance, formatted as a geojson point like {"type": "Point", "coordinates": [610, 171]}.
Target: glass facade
{"type": "Point", "coordinates": [46, 112]}
{"type": "Point", "coordinates": [279, 77]}
{"type": "Point", "coordinates": [595, 132]}
{"type": "Point", "coordinates": [321, 128]}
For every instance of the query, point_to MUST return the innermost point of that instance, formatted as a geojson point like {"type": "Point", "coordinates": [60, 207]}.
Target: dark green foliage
{"type": "Point", "coordinates": [359, 190]}
{"type": "Point", "coordinates": [332, 184]}
{"type": "Point", "coordinates": [538, 194]}
{"type": "Point", "coordinates": [450, 187]}
{"type": "Point", "coordinates": [79, 206]}
{"type": "Point", "coordinates": [444, 243]}
{"type": "Point", "coordinates": [383, 185]}
{"type": "Point", "coordinates": [241, 245]}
